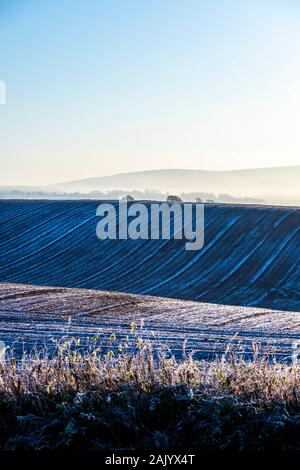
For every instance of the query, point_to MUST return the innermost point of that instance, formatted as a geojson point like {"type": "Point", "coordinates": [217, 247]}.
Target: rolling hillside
{"type": "Point", "coordinates": [32, 315]}
{"type": "Point", "coordinates": [251, 254]}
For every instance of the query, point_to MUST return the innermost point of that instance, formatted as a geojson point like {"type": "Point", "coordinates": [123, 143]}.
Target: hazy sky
{"type": "Point", "coordinates": [96, 87]}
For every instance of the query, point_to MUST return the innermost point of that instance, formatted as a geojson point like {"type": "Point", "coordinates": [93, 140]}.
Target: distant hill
{"type": "Point", "coordinates": [274, 185]}
{"type": "Point", "coordinates": [277, 185]}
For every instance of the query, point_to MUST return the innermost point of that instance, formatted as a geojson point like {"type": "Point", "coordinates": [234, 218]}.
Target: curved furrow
{"type": "Point", "coordinates": [242, 272]}
{"type": "Point", "coordinates": [164, 263]}
{"type": "Point", "coordinates": [194, 260]}
{"type": "Point", "coordinates": [38, 229]}
{"type": "Point", "coordinates": [52, 236]}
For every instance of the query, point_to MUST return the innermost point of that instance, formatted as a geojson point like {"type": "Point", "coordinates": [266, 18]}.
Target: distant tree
{"type": "Point", "coordinates": [127, 198]}
{"type": "Point", "coordinates": [199, 199]}
{"type": "Point", "coordinates": [172, 198]}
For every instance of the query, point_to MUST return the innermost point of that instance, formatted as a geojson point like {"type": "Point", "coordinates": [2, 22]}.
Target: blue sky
{"type": "Point", "coordinates": [101, 87]}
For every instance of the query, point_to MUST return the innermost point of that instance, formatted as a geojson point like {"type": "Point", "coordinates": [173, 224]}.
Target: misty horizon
{"type": "Point", "coordinates": [145, 170]}
{"type": "Point", "coordinates": [277, 185]}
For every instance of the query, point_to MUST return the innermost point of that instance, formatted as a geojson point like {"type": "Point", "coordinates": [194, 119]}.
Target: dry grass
{"type": "Point", "coordinates": [123, 399]}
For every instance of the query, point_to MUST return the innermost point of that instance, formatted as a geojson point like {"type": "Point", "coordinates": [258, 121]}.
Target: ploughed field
{"type": "Point", "coordinates": [250, 257]}
{"type": "Point", "coordinates": [35, 315]}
